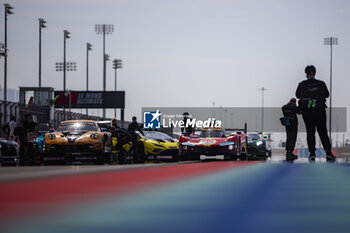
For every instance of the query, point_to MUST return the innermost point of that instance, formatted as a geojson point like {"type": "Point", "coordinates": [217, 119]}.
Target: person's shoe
{"type": "Point", "coordinates": [312, 157]}
{"type": "Point", "coordinates": [331, 157]}
{"type": "Point", "coordinates": [290, 156]}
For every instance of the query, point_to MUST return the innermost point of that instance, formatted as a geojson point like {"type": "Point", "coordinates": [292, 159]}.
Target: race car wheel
{"type": "Point", "coordinates": [183, 157]}
{"type": "Point", "coordinates": [243, 154]}
{"type": "Point", "coordinates": [122, 157]}
{"type": "Point", "coordinates": [139, 153]}
{"type": "Point", "coordinates": [102, 156]}
{"type": "Point", "coordinates": [233, 157]}
{"type": "Point", "coordinates": [101, 160]}
{"type": "Point", "coordinates": [111, 158]}
{"type": "Point", "coordinates": [176, 157]}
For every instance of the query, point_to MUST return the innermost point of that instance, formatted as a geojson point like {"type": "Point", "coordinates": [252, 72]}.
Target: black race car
{"type": "Point", "coordinates": [9, 152]}
{"type": "Point", "coordinates": [257, 147]}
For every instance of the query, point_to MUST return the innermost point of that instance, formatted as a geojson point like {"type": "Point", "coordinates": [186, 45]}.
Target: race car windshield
{"type": "Point", "coordinates": [254, 136]}
{"type": "Point", "coordinates": [212, 133]}
{"type": "Point", "coordinates": [77, 127]}
{"type": "Point", "coordinates": [157, 136]}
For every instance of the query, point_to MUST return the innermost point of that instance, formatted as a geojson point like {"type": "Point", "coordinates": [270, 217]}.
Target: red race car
{"type": "Point", "coordinates": [214, 143]}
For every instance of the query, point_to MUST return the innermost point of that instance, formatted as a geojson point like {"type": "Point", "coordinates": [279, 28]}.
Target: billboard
{"type": "Point", "coordinates": [232, 117]}
{"type": "Point", "coordinates": [90, 99]}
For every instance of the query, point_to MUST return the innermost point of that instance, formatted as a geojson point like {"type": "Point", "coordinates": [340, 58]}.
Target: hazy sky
{"type": "Point", "coordinates": [184, 53]}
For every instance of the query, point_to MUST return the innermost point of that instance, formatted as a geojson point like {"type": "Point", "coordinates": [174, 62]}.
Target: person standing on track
{"type": "Point", "coordinates": [114, 123]}
{"type": "Point", "coordinates": [312, 94]}
{"type": "Point", "coordinates": [290, 111]}
{"type": "Point", "coordinates": [134, 126]}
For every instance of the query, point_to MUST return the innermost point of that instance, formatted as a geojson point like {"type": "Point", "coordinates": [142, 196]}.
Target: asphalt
{"type": "Point", "coordinates": [272, 196]}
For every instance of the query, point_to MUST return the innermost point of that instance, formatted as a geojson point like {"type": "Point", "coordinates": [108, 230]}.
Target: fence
{"type": "Point", "coordinates": [41, 115]}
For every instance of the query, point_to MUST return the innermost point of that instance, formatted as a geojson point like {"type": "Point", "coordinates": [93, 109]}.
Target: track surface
{"type": "Point", "coordinates": [196, 197]}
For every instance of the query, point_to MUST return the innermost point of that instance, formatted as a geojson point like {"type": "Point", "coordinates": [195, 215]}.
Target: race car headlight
{"type": "Point", "coordinates": [259, 143]}
{"type": "Point", "coordinates": [51, 136]}
{"type": "Point", "coordinates": [230, 147]}
{"type": "Point", "coordinates": [94, 135]}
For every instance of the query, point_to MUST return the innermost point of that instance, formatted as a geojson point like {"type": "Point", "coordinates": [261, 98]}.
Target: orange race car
{"type": "Point", "coordinates": [77, 141]}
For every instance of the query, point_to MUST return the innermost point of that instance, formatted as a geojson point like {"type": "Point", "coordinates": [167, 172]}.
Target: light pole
{"type": "Point", "coordinates": [41, 26]}
{"type": "Point", "coordinates": [8, 11]}
{"type": "Point", "coordinates": [65, 37]}
{"type": "Point", "coordinates": [263, 89]}
{"type": "Point", "coordinates": [104, 29]}
{"type": "Point", "coordinates": [70, 101]}
{"type": "Point", "coordinates": [330, 41]}
{"type": "Point", "coordinates": [220, 113]}
{"type": "Point", "coordinates": [106, 59]}
{"type": "Point", "coordinates": [213, 110]}
{"type": "Point", "coordinates": [117, 64]}
{"type": "Point", "coordinates": [88, 48]}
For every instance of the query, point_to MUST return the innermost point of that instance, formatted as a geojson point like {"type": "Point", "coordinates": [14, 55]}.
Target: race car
{"type": "Point", "coordinates": [159, 146]}
{"type": "Point", "coordinates": [104, 125]}
{"type": "Point", "coordinates": [214, 143]}
{"type": "Point", "coordinates": [77, 141]}
{"type": "Point", "coordinates": [257, 147]}
{"type": "Point", "coordinates": [9, 152]}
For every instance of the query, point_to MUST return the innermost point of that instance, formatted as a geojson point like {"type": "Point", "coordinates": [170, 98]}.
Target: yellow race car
{"type": "Point", "coordinates": [77, 141]}
{"type": "Point", "coordinates": [159, 146]}
{"type": "Point", "coordinates": [137, 147]}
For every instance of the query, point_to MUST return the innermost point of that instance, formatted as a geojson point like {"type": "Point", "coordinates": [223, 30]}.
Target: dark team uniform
{"type": "Point", "coordinates": [134, 126]}
{"type": "Point", "coordinates": [186, 130]}
{"type": "Point", "coordinates": [290, 111]}
{"type": "Point", "coordinates": [312, 94]}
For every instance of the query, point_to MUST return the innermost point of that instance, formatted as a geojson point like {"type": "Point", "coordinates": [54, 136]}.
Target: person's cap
{"type": "Point", "coordinates": [309, 70]}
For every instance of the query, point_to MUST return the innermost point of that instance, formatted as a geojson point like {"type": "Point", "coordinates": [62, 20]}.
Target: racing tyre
{"type": "Point", "coordinates": [122, 157]}
{"type": "Point", "coordinates": [182, 157]}
{"type": "Point", "coordinates": [176, 158]}
{"type": "Point", "coordinates": [101, 158]}
{"type": "Point", "coordinates": [243, 155]}
{"type": "Point", "coordinates": [139, 153]}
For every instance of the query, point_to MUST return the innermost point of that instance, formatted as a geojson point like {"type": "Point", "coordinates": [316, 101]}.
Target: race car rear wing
{"type": "Point", "coordinates": [238, 129]}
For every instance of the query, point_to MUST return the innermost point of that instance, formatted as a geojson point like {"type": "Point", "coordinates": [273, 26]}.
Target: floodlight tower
{"type": "Point", "coordinates": [88, 48]}
{"type": "Point", "coordinates": [41, 26]}
{"type": "Point", "coordinates": [66, 36]}
{"type": "Point", "coordinates": [330, 41]}
{"type": "Point", "coordinates": [117, 64]}
{"type": "Point", "coordinates": [263, 89]}
{"type": "Point", "coordinates": [104, 29]}
{"type": "Point", "coordinates": [8, 11]}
